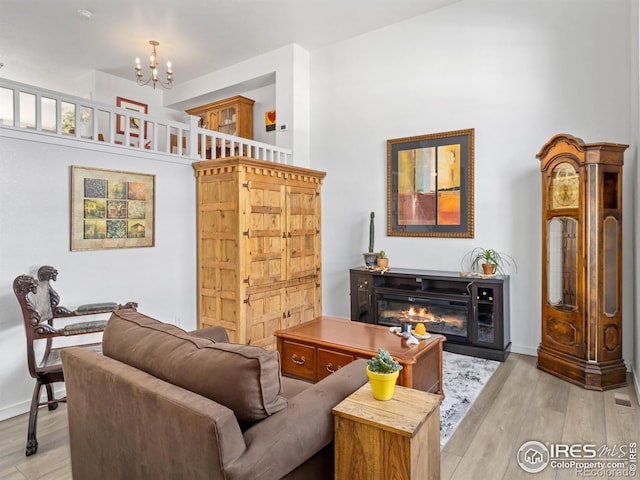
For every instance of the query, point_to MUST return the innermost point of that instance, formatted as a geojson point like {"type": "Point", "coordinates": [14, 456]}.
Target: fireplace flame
{"type": "Point", "coordinates": [423, 314]}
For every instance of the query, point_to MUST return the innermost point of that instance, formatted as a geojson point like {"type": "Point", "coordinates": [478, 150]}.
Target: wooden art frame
{"type": "Point", "coordinates": [111, 209]}
{"type": "Point", "coordinates": [430, 185]}
{"type": "Point", "coordinates": [134, 125]}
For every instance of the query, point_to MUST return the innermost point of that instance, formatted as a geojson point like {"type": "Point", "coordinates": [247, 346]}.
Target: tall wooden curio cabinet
{"type": "Point", "coordinates": [581, 339]}
{"type": "Point", "coordinates": [259, 266]}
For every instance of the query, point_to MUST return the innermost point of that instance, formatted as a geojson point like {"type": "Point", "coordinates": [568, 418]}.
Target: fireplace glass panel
{"type": "Point", "coordinates": [363, 297]}
{"type": "Point", "coordinates": [448, 317]}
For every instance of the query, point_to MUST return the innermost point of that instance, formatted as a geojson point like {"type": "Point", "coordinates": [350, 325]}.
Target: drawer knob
{"type": "Point", "coordinates": [294, 359]}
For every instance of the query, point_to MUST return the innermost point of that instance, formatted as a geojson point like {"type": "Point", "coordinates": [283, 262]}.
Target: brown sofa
{"type": "Point", "coordinates": [162, 403]}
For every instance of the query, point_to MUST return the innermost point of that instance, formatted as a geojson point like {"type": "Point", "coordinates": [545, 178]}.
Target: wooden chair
{"type": "Point", "coordinates": [40, 306]}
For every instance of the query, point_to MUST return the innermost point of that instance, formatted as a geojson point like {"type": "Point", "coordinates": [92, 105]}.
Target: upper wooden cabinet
{"type": "Point", "coordinates": [233, 116]}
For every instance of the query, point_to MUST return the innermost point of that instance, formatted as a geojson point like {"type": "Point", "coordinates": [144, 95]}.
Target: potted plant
{"type": "Point", "coordinates": [383, 372]}
{"type": "Point", "coordinates": [383, 260]}
{"type": "Point", "coordinates": [491, 261]}
{"type": "Point", "coordinates": [370, 257]}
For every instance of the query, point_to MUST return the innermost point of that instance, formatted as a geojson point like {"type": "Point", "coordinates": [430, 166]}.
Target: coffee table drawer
{"type": "Point", "coordinates": [330, 361]}
{"type": "Point", "coordinates": [298, 360]}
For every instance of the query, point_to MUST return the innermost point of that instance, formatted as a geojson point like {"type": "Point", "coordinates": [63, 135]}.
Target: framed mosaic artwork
{"type": "Point", "coordinates": [111, 209]}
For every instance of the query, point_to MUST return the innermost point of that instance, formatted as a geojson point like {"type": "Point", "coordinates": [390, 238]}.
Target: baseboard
{"type": "Point", "coordinates": [14, 410]}
{"type": "Point", "coordinates": [23, 407]}
{"type": "Point", "coordinates": [636, 384]}
{"type": "Point", "coordinates": [524, 350]}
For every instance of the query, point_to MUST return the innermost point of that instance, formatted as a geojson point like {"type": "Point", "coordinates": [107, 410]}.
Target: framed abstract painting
{"type": "Point", "coordinates": [430, 185]}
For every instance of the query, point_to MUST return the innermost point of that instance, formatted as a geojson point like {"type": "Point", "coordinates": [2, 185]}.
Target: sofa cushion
{"type": "Point", "coordinates": [244, 378]}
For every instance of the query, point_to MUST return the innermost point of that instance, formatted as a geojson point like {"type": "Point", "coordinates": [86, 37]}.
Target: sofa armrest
{"type": "Point", "coordinates": [285, 440]}
{"type": "Point", "coordinates": [215, 333]}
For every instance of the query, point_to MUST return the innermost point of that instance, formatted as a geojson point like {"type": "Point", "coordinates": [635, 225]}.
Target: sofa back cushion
{"type": "Point", "coordinates": [244, 378]}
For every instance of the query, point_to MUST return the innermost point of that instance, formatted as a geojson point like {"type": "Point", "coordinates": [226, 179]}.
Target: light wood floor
{"type": "Point", "coordinates": [519, 403]}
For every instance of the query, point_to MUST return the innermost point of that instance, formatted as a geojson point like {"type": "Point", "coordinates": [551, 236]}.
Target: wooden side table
{"type": "Point", "coordinates": [396, 439]}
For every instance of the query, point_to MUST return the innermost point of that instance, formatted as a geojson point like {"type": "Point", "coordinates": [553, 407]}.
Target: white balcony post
{"type": "Point", "coordinates": [192, 147]}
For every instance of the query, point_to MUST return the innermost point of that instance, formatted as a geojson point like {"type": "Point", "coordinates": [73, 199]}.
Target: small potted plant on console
{"type": "Point", "coordinates": [383, 260]}
{"type": "Point", "coordinates": [491, 261]}
{"type": "Point", "coordinates": [383, 372]}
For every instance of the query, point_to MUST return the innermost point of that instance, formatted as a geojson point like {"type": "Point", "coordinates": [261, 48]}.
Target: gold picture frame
{"type": "Point", "coordinates": [111, 209]}
{"type": "Point", "coordinates": [430, 185]}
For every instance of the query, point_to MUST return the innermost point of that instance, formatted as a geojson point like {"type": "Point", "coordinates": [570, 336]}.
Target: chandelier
{"type": "Point", "coordinates": [153, 65]}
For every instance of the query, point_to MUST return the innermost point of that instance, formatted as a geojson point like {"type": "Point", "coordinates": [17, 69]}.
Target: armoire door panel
{"type": "Point", "coordinates": [266, 206]}
{"type": "Point", "coordinates": [302, 214]}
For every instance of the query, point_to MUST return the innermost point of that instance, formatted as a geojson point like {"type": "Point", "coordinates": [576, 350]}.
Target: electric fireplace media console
{"type": "Point", "coordinates": [472, 312]}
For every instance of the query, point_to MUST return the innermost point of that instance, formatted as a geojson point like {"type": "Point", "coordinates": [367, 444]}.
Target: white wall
{"type": "Point", "coordinates": [518, 72]}
{"type": "Point", "coordinates": [265, 98]}
{"type": "Point", "coordinates": [34, 230]}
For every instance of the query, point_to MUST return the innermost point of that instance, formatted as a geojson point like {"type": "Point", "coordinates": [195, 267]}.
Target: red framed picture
{"type": "Point", "coordinates": [134, 122]}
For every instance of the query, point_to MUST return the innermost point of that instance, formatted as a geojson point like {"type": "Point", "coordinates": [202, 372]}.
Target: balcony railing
{"type": "Point", "coordinates": [52, 114]}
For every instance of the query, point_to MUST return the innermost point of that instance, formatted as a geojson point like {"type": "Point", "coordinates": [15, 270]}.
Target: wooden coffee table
{"type": "Point", "coordinates": [315, 349]}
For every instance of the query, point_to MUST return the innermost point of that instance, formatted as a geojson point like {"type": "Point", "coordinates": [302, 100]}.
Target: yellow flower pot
{"type": "Point", "coordinates": [382, 384]}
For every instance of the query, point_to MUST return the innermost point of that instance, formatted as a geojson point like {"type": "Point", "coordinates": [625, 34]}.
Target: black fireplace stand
{"type": "Point", "coordinates": [489, 334]}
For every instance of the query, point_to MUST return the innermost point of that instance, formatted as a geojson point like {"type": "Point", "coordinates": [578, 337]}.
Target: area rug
{"type": "Point", "coordinates": [464, 377]}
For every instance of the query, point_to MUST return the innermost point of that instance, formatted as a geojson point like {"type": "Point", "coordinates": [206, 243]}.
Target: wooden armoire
{"type": "Point", "coordinates": [581, 339]}
{"type": "Point", "coordinates": [259, 265]}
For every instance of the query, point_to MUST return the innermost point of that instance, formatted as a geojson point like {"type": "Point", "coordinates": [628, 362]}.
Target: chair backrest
{"type": "Point", "coordinates": [45, 298]}
{"type": "Point", "coordinates": [25, 288]}
{"type": "Point", "coordinates": [38, 303]}
{"type": "Point", "coordinates": [38, 300]}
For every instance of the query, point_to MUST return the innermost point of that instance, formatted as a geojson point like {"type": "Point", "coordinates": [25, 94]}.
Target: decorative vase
{"type": "Point", "coordinates": [370, 259]}
{"type": "Point", "coordinates": [382, 384]}
{"type": "Point", "coordinates": [488, 268]}
{"type": "Point", "coordinates": [383, 262]}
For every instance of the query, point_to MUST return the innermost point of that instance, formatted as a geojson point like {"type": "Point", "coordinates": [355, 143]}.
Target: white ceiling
{"type": "Point", "coordinates": [198, 36]}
